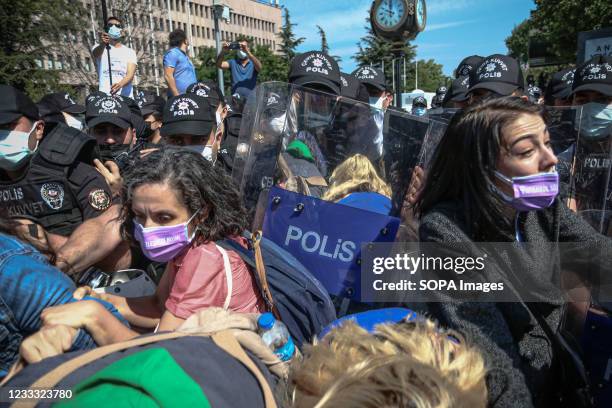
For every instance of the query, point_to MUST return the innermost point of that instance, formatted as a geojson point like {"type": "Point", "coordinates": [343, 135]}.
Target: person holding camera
{"type": "Point", "coordinates": [122, 60]}
{"type": "Point", "coordinates": [178, 68]}
{"type": "Point", "coordinates": [244, 68]}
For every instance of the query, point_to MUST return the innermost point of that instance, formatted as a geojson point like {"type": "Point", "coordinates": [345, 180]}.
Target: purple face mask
{"type": "Point", "coordinates": [163, 244]}
{"type": "Point", "coordinates": [531, 193]}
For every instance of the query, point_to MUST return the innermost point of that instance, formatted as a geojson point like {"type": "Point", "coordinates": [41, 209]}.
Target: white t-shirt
{"type": "Point", "coordinates": [120, 57]}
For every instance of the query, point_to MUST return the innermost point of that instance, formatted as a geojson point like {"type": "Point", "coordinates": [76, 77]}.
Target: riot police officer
{"type": "Point", "coordinates": [110, 122]}
{"type": "Point", "coordinates": [45, 170]}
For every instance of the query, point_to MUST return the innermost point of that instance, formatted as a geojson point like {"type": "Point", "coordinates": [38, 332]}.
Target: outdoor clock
{"type": "Point", "coordinates": [398, 20]}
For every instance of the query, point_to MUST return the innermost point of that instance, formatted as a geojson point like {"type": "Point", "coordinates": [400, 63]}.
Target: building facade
{"type": "Point", "coordinates": [148, 23]}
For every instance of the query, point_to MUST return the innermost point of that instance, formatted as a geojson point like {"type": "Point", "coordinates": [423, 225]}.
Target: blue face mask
{"type": "Point", "coordinates": [596, 121]}
{"type": "Point", "coordinates": [114, 32]}
{"type": "Point", "coordinates": [14, 149]}
{"type": "Point", "coordinates": [419, 111]}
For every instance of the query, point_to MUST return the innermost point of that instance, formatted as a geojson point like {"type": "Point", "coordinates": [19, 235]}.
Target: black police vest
{"type": "Point", "coordinates": [44, 194]}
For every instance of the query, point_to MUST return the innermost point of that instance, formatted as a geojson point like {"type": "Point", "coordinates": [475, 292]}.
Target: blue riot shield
{"type": "Point", "coordinates": [326, 237]}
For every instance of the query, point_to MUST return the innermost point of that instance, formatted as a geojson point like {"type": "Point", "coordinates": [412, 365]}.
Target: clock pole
{"type": "Point", "coordinates": [397, 22]}
{"type": "Point", "coordinates": [398, 54]}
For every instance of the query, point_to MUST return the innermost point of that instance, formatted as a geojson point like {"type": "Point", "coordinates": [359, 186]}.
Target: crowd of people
{"type": "Point", "coordinates": [172, 188]}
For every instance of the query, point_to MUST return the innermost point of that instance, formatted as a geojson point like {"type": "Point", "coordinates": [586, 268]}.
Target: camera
{"type": "Point", "coordinates": [234, 45]}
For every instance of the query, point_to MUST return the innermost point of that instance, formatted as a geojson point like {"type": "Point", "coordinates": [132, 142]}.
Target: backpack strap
{"type": "Point", "coordinates": [228, 277]}
{"type": "Point", "coordinates": [224, 339]}
{"type": "Point", "coordinates": [255, 260]}
{"type": "Point", "coordinates": [260, 266]}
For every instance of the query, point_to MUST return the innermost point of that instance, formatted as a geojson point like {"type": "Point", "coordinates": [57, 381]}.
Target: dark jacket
{"type": "Point", "coordinates": [516, 350]}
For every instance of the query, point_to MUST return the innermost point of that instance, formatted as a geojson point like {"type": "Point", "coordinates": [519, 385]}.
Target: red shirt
{"type": "Point", "coordinates": [198, 279]}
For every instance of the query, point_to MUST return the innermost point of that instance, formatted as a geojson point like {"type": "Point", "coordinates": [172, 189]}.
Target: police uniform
{"type": "Point", "coordinates": [58, 188]}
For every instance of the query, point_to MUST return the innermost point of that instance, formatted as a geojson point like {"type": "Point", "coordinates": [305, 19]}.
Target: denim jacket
{"type": "Point", "coordinates": [28, 284]}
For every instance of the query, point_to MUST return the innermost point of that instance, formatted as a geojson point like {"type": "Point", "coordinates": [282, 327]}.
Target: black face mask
{"type": "Point", "coordinates": [113, 152]}
{"type": "Point", "coordinates": [148, 132]}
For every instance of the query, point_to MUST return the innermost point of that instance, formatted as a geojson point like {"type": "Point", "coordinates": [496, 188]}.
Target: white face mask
{"type": "Point", "coordinates": [242, 55]}
{"type": "Point", "coordinates": [14, 149]}
{"type": "Point", "coordinates": [278, 124]}
{"type": "Point", "coordinates": [205, 151]}
{"type": "Point", "coordinates": [377, 102]}
{"type": "Point", "coordinates": [73, 122]}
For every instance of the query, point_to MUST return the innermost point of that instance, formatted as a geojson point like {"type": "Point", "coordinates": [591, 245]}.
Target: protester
{"type": "Point", "coordinates": [175, 206]}
{"type": "Point", "coordinates": [152, 108]}
{"type": "Point", "coordinates": [123, 60]}
{"type": "Point", "coordinates": [497, 75]}
{"type": "Point", "coordinates": [46, 170]}
{"type": "Point", "coordinates": [405, 364]}
{"type": "Point", "coordinates": [29, 286]}
{"type": "Point", "coordinates": [469, 197]}
{"type": "Point", "coordinates": [178, 68]}
{"type": "Point", "coordinates": [189, 121]}
{"type": "Point", "coordinates": [61, 104]}
{"type": "Point", "coordinates": [356, 183]}
{"type": "Point", "coordinates": [168, 372]}
{"type": "Point", "coordinates": [419, 106]}
{"type": "Point", "coordinates": [244, 68]}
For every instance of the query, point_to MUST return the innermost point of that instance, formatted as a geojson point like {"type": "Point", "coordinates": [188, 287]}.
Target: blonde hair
{"type": "Point", "coordinates": [355, 174]}
{"type": "Point", "coordinates": [407, 365]}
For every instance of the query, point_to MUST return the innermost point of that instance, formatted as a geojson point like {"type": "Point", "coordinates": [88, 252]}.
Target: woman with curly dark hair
{"type": "Point", "coordinates": [176, 204]}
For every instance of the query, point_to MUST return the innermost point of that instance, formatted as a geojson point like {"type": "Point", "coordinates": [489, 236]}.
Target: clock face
{"type": "Point", "coordinates": [390, 13]}
{"type": "Point", "coordinates": [420, 13]}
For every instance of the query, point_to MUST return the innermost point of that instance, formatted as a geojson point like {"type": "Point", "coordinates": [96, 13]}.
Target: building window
{"type": "Point", "coordinates": [68, 62]}
{"type": "Point", "coordinates": [39, 62]}
{"type": "Point", "coordinates": [207, 32]}
{"type": "Point", "coordinates": [87, 64]}
{"type": "Point", "coordinates": [50, 62]}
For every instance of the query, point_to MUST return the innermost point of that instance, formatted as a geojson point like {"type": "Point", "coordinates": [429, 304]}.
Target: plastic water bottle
{"type": "Point", "coordinates": [276, 336]}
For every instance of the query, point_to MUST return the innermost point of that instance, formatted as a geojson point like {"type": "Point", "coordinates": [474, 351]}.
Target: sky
{"type": "Point", "coordinates": [455, 28]}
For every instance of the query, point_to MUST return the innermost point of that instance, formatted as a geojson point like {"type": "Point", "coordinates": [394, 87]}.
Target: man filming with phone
{"type": "Point", "coordinates": [244, 68]}
{"type": "Point", "coordinates": [122, 60]}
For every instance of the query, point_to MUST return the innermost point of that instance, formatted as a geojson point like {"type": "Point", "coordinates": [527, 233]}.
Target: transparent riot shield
{"type": "Point", "coordinates": [591, 184]}
{"type": "Point", "coordinates": [339, 170]}
{"type": "Point", "coordinates": [562, 127]}
{"type": "Point", "coordinates": [297, 138]}
{"type": "Point", "coordinates": [442, 114]}
{"type": "Point", "coordinates": [589, 319]}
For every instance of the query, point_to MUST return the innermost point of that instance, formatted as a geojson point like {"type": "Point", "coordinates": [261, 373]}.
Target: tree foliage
{"type": "Point", "coordinates": [559, 22]}
{"type": "Point", "coordinates": [430, 76]}
{"type": "Point", "coordinates": [325, 44]}
{"type": "Point", "coordinates": [288, 40]}
{"type": "Point", "coordinates": [28, 30]}
{"type": "Point", "coordinates": [518, 42]}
